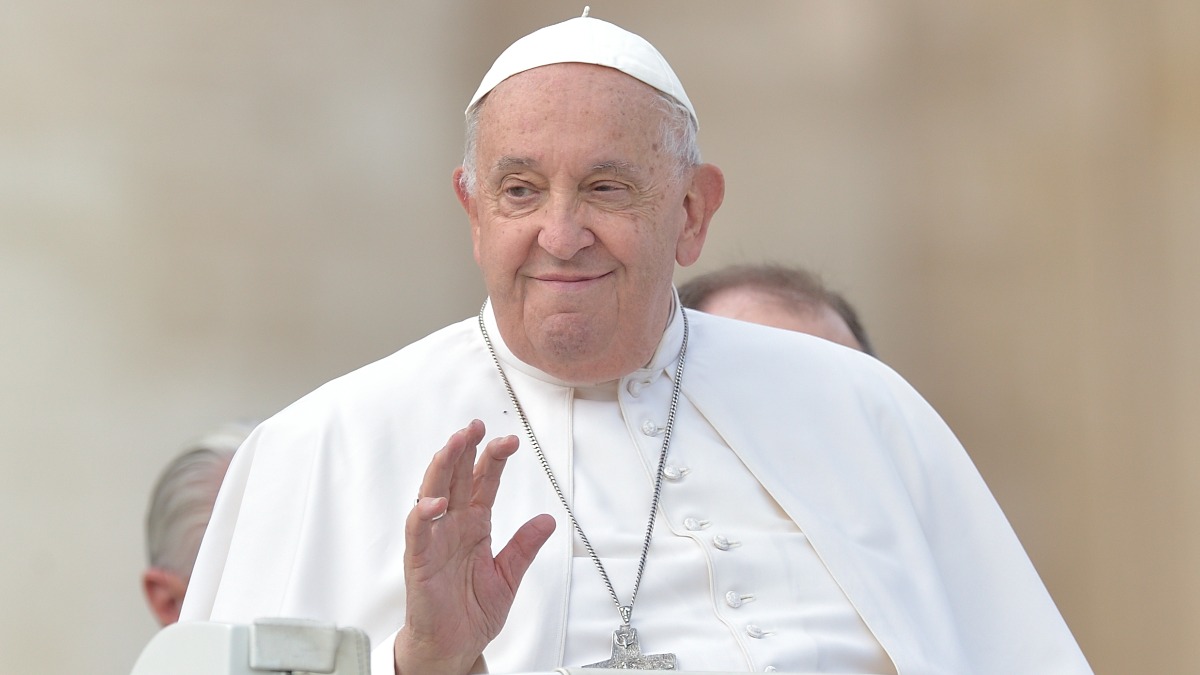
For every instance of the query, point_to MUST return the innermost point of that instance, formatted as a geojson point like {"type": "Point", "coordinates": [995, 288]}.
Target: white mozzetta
{"type": "Point", "coordinates": [839, 457]}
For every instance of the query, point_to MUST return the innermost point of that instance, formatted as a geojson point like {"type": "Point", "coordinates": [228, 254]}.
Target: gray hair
{"type": "Point", "coordinates": [795, 286]}
{"type": "Point", "coordinates": [678, 133]}
{"type": "Point", "coordinates": [183, 496]}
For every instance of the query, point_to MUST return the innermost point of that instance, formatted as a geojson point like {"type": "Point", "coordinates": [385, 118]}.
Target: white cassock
{"type": "Point", "coordinates": [817, 516]}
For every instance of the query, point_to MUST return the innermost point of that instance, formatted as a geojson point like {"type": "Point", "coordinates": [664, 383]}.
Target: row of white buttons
{"type": "Point", "coordinates": [720, 542]}
{"type": "Point", "coordinates": [736, 600]}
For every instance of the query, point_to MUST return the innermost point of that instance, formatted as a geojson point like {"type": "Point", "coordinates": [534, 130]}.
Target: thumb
{"type": "Point", "coordinates": [516, 556]}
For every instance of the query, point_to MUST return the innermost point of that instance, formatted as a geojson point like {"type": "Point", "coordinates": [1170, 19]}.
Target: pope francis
{"type": "Point", "coordinates": [662, 489]}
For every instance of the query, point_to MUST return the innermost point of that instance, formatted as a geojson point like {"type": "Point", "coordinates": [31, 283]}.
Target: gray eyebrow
{"type": "Point", "coordinates": [617, 167]}
{"type": "Point", "coordinates": [508, 162]}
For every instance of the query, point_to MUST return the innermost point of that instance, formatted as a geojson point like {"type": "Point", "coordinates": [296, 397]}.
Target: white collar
{"type": "Point", "coordinates": [664, 355]}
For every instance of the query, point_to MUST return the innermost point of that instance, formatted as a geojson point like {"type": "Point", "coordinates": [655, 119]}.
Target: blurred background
{"type": "Point", "coordinates": [208, 209]}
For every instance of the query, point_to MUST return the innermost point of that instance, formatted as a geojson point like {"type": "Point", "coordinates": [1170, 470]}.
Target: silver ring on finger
{"type": "Point", "coordinates": [438, 516]}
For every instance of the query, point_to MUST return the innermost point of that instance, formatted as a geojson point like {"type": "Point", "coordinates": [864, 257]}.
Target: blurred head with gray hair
{"type": "Point", "coordinates": [785, 297]}
{"type": "Point", "coordinates": [180, 507]}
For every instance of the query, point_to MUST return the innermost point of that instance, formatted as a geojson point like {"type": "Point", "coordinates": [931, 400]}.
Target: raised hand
{"type": "Point", "coordinates": [458, 594]}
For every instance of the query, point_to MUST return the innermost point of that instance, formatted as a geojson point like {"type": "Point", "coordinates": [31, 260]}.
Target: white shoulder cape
{"type": "Point", "coordinates": [310, 520]}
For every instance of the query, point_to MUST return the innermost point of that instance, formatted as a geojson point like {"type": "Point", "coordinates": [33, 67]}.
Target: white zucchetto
{"type": "Point", "coordinates": [586, 40]}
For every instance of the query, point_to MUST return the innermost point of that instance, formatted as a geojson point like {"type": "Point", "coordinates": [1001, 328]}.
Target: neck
{"type": "Point", "coordinates": [578, 361]}
{"type": "Point", "coordinates": [657, 348]}
{"type": "Point", "coordinates": [584, 372]}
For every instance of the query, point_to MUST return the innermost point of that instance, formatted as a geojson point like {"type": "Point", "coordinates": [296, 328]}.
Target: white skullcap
{"type": "Point", "coordinates": [586, 40]}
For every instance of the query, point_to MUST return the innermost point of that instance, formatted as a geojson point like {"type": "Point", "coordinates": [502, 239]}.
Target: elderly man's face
{"type": "Point", "coordinates": [578, 218]}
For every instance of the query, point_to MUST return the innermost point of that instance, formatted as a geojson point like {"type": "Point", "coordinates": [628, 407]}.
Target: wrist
{"type": "Point", "coordinates": [412, 656]}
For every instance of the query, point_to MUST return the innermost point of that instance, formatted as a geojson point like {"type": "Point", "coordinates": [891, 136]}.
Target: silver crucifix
{"type": "Point", "coordinates": [627, 654]}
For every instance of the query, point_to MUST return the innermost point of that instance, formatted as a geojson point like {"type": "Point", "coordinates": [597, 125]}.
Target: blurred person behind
{"type": "Point", "coordinates": [180, 506]}
{"type": "Point", "coordinates": [784, 297]}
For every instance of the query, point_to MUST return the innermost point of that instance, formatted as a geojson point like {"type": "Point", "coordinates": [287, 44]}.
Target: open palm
{"type": "Point", "coordinates": [458, 594]}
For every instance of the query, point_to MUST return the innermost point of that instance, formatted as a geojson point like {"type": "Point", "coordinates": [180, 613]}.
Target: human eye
{"type": "Point", "coordinates": [608, 189]}
{"type": "Point", "coordinates": [516, 191]}
{"type": "Point", "coordinates": [515, 196]}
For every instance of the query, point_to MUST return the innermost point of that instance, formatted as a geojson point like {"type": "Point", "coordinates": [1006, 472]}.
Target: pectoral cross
{"type": "Point", "coordinates": [627, 654]}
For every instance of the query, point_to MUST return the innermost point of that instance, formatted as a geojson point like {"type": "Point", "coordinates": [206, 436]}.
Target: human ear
{"type": "Point", "coordinates": [468, 203]}
{"type": "Point", "coordinates": [460, 189]}
{"type": "Point", "coordinates": [164, 593]}
{"type": "Point", "coordinates": [703, 198]}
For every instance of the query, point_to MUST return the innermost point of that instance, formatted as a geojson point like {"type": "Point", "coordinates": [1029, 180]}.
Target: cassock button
{"type": "Point", "coordinates": [692, 524]}
{"type": "Point", "coordinates": [735, 599]}
{"type": "Point", "coordinates": [755, 632]}
{"type": "Point", "coordinates": [650, 428]}
{"type": "Point", "coordinates": [675, 473]}
{"type": "Point", "coordinates": [635, 387]}
{"type": "Point", "coordinates": [723, 543]}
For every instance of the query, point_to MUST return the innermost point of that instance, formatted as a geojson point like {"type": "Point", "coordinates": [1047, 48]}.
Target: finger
{"type": "Point", "coordinates": [418, 531]}
{"type": "Point", "coordinates": [440, 472]}
{"type": "Point", "coordinates": [514, 559]}
{"type": "Point", "coordinates": [430, 509]}
{"type": "Point", "coordinates": [490, 467]}
{"type": "Point", "coordinates": [463, 466]}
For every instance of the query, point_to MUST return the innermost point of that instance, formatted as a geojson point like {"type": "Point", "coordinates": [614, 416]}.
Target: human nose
{"type": "Point", "coordinates": [565, 230]}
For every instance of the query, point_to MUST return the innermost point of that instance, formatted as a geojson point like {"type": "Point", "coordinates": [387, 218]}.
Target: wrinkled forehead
{"type": "Point", "coordinates": [574, 89]}
{"type": "Point", "coordinates": [570, 105]}
{"type": "Point", "coordinates": [585, 40]}
{"type": "Point", "coordinates": [590, 114]}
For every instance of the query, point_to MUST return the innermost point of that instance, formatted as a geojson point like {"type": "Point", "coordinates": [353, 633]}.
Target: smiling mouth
{"type": "Point", "coordinates": [565, 282]}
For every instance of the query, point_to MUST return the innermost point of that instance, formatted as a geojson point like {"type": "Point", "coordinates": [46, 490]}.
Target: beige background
{"type": "Point", "coordinates": [209, 208]}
